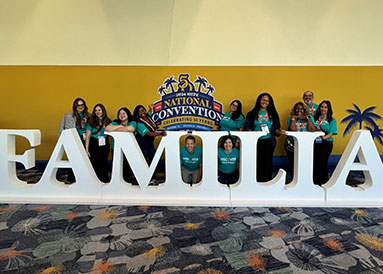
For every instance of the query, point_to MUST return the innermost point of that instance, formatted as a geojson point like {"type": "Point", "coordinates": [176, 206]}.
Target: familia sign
{"type": "Point", "coordinates": [247, 191]}
{"type": "Point", "coordinates": [187, 105]}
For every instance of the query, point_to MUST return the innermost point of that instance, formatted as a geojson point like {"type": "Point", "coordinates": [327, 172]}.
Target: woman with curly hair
{"type": "Point", "coordinates": [299, 120]}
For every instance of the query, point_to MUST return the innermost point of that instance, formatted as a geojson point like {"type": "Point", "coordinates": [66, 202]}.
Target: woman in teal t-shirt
{"type": "Point", "coordinates": [77, 118]}
{"type": "Point", "coordinates": [124, 123]}
{"type": "Point", "coordinates": [300, 120]}
{"type": "Point", "coordinates": [264, 117]}
{"type": "Point", "coordinates": [233, 120]}
{"type": "Point", "coordinates": [228, 162]}
{"type": "Point", "coordinates": [97, 144]}
{"type": "Point", "coordinates": [323, 145]}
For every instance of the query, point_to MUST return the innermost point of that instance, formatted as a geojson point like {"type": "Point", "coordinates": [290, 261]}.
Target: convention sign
{"type": "Point", "coordinates": [187, 105]}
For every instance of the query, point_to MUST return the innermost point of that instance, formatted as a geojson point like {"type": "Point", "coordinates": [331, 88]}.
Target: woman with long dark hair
{"type": "Point", "coordinates": [324, 144]}
{"type": "Point", "coordinates": [77, 118]}
{"type": "Point", "coordinates": [123, 123]}
{"type": "Point", "coordinates": [97, 144]}
{"type": "Point", "coordinates": [264, 117]}
{"type": "Point", "coordinates": [299, 120]}
{"type": "Point", "coordinates": [233, 120]}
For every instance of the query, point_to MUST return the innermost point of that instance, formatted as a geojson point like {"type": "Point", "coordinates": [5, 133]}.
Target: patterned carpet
{"type": "Point", "coordinates": [137, 239]}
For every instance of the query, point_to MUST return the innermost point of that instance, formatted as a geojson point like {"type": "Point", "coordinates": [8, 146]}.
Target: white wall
{"type": "Point", "coordinates": [196, 32]}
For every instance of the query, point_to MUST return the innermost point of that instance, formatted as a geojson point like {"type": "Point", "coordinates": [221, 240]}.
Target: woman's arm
{"type": "Point", "coordinates": [328, 135]}
{"type": "Point", "coordinates": [156, 133]}
{"type": "Point", "coordinates": [310, 125]}
{"type": "Point", "coordinates": [87, 141]}
{"type": "Point", "coordinates": [110, 127]}
{"type": "Point", "coordinates": [126, 129]}
{"type": "Point", "coordinates": [293, 126]}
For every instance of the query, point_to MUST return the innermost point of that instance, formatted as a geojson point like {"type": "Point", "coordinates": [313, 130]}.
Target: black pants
{"type": "Point", "coordinates": [290, 156]}
{"type": "Point", "coordinates": [127, 173]}
{"type": "Point", "coordinates": [265, 152]}
{"type": "Point", "coordinates": [228, 178]}
{"type": "Point", "coordinates": [322, 153]}
{"type": "Point", "coordinates": [99, 159]}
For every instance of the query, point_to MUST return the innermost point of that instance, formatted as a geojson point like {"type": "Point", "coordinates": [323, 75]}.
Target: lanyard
{"type": "Point", "coordinates": [302, 124]}
{"type": "Point", "coordinates": [266, 116]}
{"type": "Point", "coordinates": [321, 122]}
{"type": "Point", "coordinates": [149, 124]}
{"type": "Point", "coordinates": [82, 124]}
{"type": "Point", "coordinates": [312, 109]}
{"type": "Point", "coordinates": [99, 127]}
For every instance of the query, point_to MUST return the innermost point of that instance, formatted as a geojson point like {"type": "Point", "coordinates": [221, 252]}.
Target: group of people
{"type": "Point", "coordinates": [91, 128]}
{"type": "Point", "coordinates": [304, 116]}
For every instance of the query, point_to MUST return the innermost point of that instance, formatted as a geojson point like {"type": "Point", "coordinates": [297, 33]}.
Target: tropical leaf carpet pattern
{"type": "Point", "coordinates": [141, 239]}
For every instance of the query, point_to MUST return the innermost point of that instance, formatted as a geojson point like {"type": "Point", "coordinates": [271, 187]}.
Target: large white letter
{"type": "Point", "coordinates": [302, 188]}
{"type": "Point", "coordinates": [362, 145]}
{"type": "Point", "coordinates": [274, 192]}
{"type": "Point", "coordinates": [87, 186]}
{"type": "Point", "coordinates": [8, 157]}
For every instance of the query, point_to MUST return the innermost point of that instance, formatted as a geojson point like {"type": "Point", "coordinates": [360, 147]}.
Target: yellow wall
{"type": "Point", "coordinates": [37, 97]}
{"type": "Point", "coordinates": [191, 32]}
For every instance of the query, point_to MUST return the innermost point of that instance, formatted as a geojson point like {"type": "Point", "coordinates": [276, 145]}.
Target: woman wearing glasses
{"type": "Point", "coordinates": [264, 117]}
{"type": "Point", "coordinates": [77, 118]}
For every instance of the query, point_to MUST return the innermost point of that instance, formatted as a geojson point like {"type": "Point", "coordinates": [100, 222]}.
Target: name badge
{"type": "Point", "coordinates": [101, 141]}
{"type": "Point", "coordinates": [318, 140]}
{"type": "Point", "coordinates": [84, 136]}
{"type": "Point", "coordinates": [265, 128]}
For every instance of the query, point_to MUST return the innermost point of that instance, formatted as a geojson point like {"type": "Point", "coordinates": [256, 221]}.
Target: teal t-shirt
{"type": "Point", "coordinates": [263, 119]}
{"type": "Point", "coordinates": [133, 124]}
{"type": "Point", "coordinates": [95, 132]}
{"type": "Point", "coordinates": [228, 163]}
{"type": "Point", "coordinates": [312, 108]}
{"type": "Point", "coordinates": [327, 127]}
{"type": "Point", "coordinates": [191, 161]}
{"type": "Point", "coordinates": [227, 124]}
{"type": "Point", "coordinates": [142, 129]}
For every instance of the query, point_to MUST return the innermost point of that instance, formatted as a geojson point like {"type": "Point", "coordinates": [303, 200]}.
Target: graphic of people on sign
{"type": "Point", "coordinates": [184, 83]}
